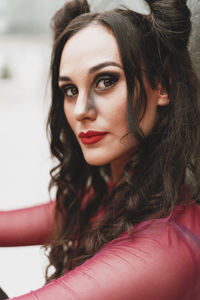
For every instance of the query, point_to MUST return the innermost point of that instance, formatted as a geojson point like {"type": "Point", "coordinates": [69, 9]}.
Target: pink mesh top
{"type": "Point", "coordinates": [161, 262]}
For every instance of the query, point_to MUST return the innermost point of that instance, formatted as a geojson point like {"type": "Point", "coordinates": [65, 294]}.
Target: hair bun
{"type": "Point", "coordinates": [171, 21]}
{"type": "Point", "coordinates": [69, 11]}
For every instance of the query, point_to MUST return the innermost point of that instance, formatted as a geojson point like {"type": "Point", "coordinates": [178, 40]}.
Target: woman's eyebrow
{"type": "Point", "coordinates": [64, 78]}
{"type": "Point", "coordinates": [94, 69]}
{"type": "Point", "coordinates": [102, 65]}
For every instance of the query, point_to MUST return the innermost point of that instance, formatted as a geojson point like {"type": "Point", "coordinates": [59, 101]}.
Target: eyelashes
{"type": "Point", "coordinates": [106, 81]}
{"type": "Point", "coordinates": [101, 83]}
{"type": "Point", "coordinates": [69, 90]}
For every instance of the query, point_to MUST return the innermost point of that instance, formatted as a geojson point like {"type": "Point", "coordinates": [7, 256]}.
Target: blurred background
{"type": "Point", "coordinates": [25, 49]}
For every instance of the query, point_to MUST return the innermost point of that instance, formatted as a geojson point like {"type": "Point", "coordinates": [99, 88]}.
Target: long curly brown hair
{"type": "Point", "coordinates": [164, 162]}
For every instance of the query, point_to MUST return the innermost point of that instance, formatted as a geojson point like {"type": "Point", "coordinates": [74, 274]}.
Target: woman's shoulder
{"type": "Point", "coordinates": [187, 218]}
{"type": "Point", "coordinates": [182, 225]}
{"type": "Point", "coordinates": [165, 251]}
{"type": "Point", "coordinates": [160, 261]}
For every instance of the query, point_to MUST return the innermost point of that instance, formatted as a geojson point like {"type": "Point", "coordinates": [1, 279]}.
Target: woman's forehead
{"type": "Point", "coordinates": [92, 45]}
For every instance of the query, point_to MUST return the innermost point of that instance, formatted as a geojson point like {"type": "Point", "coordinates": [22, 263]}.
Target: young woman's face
{"type": "Point", "coordinates": [95, 96]}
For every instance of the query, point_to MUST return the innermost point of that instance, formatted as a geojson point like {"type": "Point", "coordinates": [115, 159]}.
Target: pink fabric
{"type": "Point", "coordinates": [162, 262]}
{"type": "Point", "coordinates": [27, 226]}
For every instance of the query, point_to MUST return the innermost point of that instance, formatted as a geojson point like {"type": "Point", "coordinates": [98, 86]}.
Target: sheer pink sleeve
{"type": "Point", "coordinates": [28, 226]}
{"type": "Point", "coordinates": [162, 262]}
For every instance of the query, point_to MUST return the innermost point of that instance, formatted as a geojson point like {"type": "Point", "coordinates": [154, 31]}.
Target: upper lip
{"type": "Point", "coordinates": [90, 133]}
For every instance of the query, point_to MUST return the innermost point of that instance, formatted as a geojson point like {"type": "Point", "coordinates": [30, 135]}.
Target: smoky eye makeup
{"type": "Point", "coordinates": [101, 83]}
{"type": "Point", "coordinates": [68, 90]}
{"type": "Point", "coordinates": [105, 80]}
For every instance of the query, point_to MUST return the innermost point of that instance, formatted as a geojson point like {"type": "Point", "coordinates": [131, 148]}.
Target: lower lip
{"type": "Point", "coordinates": [93, 139]}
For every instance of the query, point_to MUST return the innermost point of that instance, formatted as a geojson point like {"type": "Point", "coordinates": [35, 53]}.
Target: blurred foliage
{"type": "Point", "coordinates": [5, 72]}
{"type": "Point", "coordinates": [26, 16]}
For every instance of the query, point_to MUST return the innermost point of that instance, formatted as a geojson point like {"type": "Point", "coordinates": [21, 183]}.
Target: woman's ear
{"type": "Point", "coordinates": [163, 98]}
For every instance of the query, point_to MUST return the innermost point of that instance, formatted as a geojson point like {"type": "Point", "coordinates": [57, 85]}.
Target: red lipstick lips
{"type": "Point", "coordinates": [91, 137]}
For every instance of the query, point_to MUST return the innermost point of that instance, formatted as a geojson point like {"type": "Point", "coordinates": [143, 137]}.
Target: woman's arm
{"type": "Point", "coordinates": [28, 226]}
{"type": "Point", "coordinates": [160, 263]}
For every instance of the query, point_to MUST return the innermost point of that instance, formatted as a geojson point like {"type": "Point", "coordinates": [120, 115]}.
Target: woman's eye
{"type": "Point", "coordinates": [106, 82]}
{"type": "Point", "coordinates": [69, 90]}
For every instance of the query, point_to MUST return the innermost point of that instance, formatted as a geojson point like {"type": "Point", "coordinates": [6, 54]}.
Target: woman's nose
{"type": "Point", "coordinates": [84, 108]}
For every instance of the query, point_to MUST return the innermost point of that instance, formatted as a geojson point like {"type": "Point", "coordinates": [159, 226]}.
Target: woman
{"type": "Point", "coordinates": [124, 125]}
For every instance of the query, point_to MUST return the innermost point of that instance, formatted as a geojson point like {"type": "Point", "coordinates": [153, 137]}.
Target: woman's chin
{"type": "Point", "coordinates": [96, 160]}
